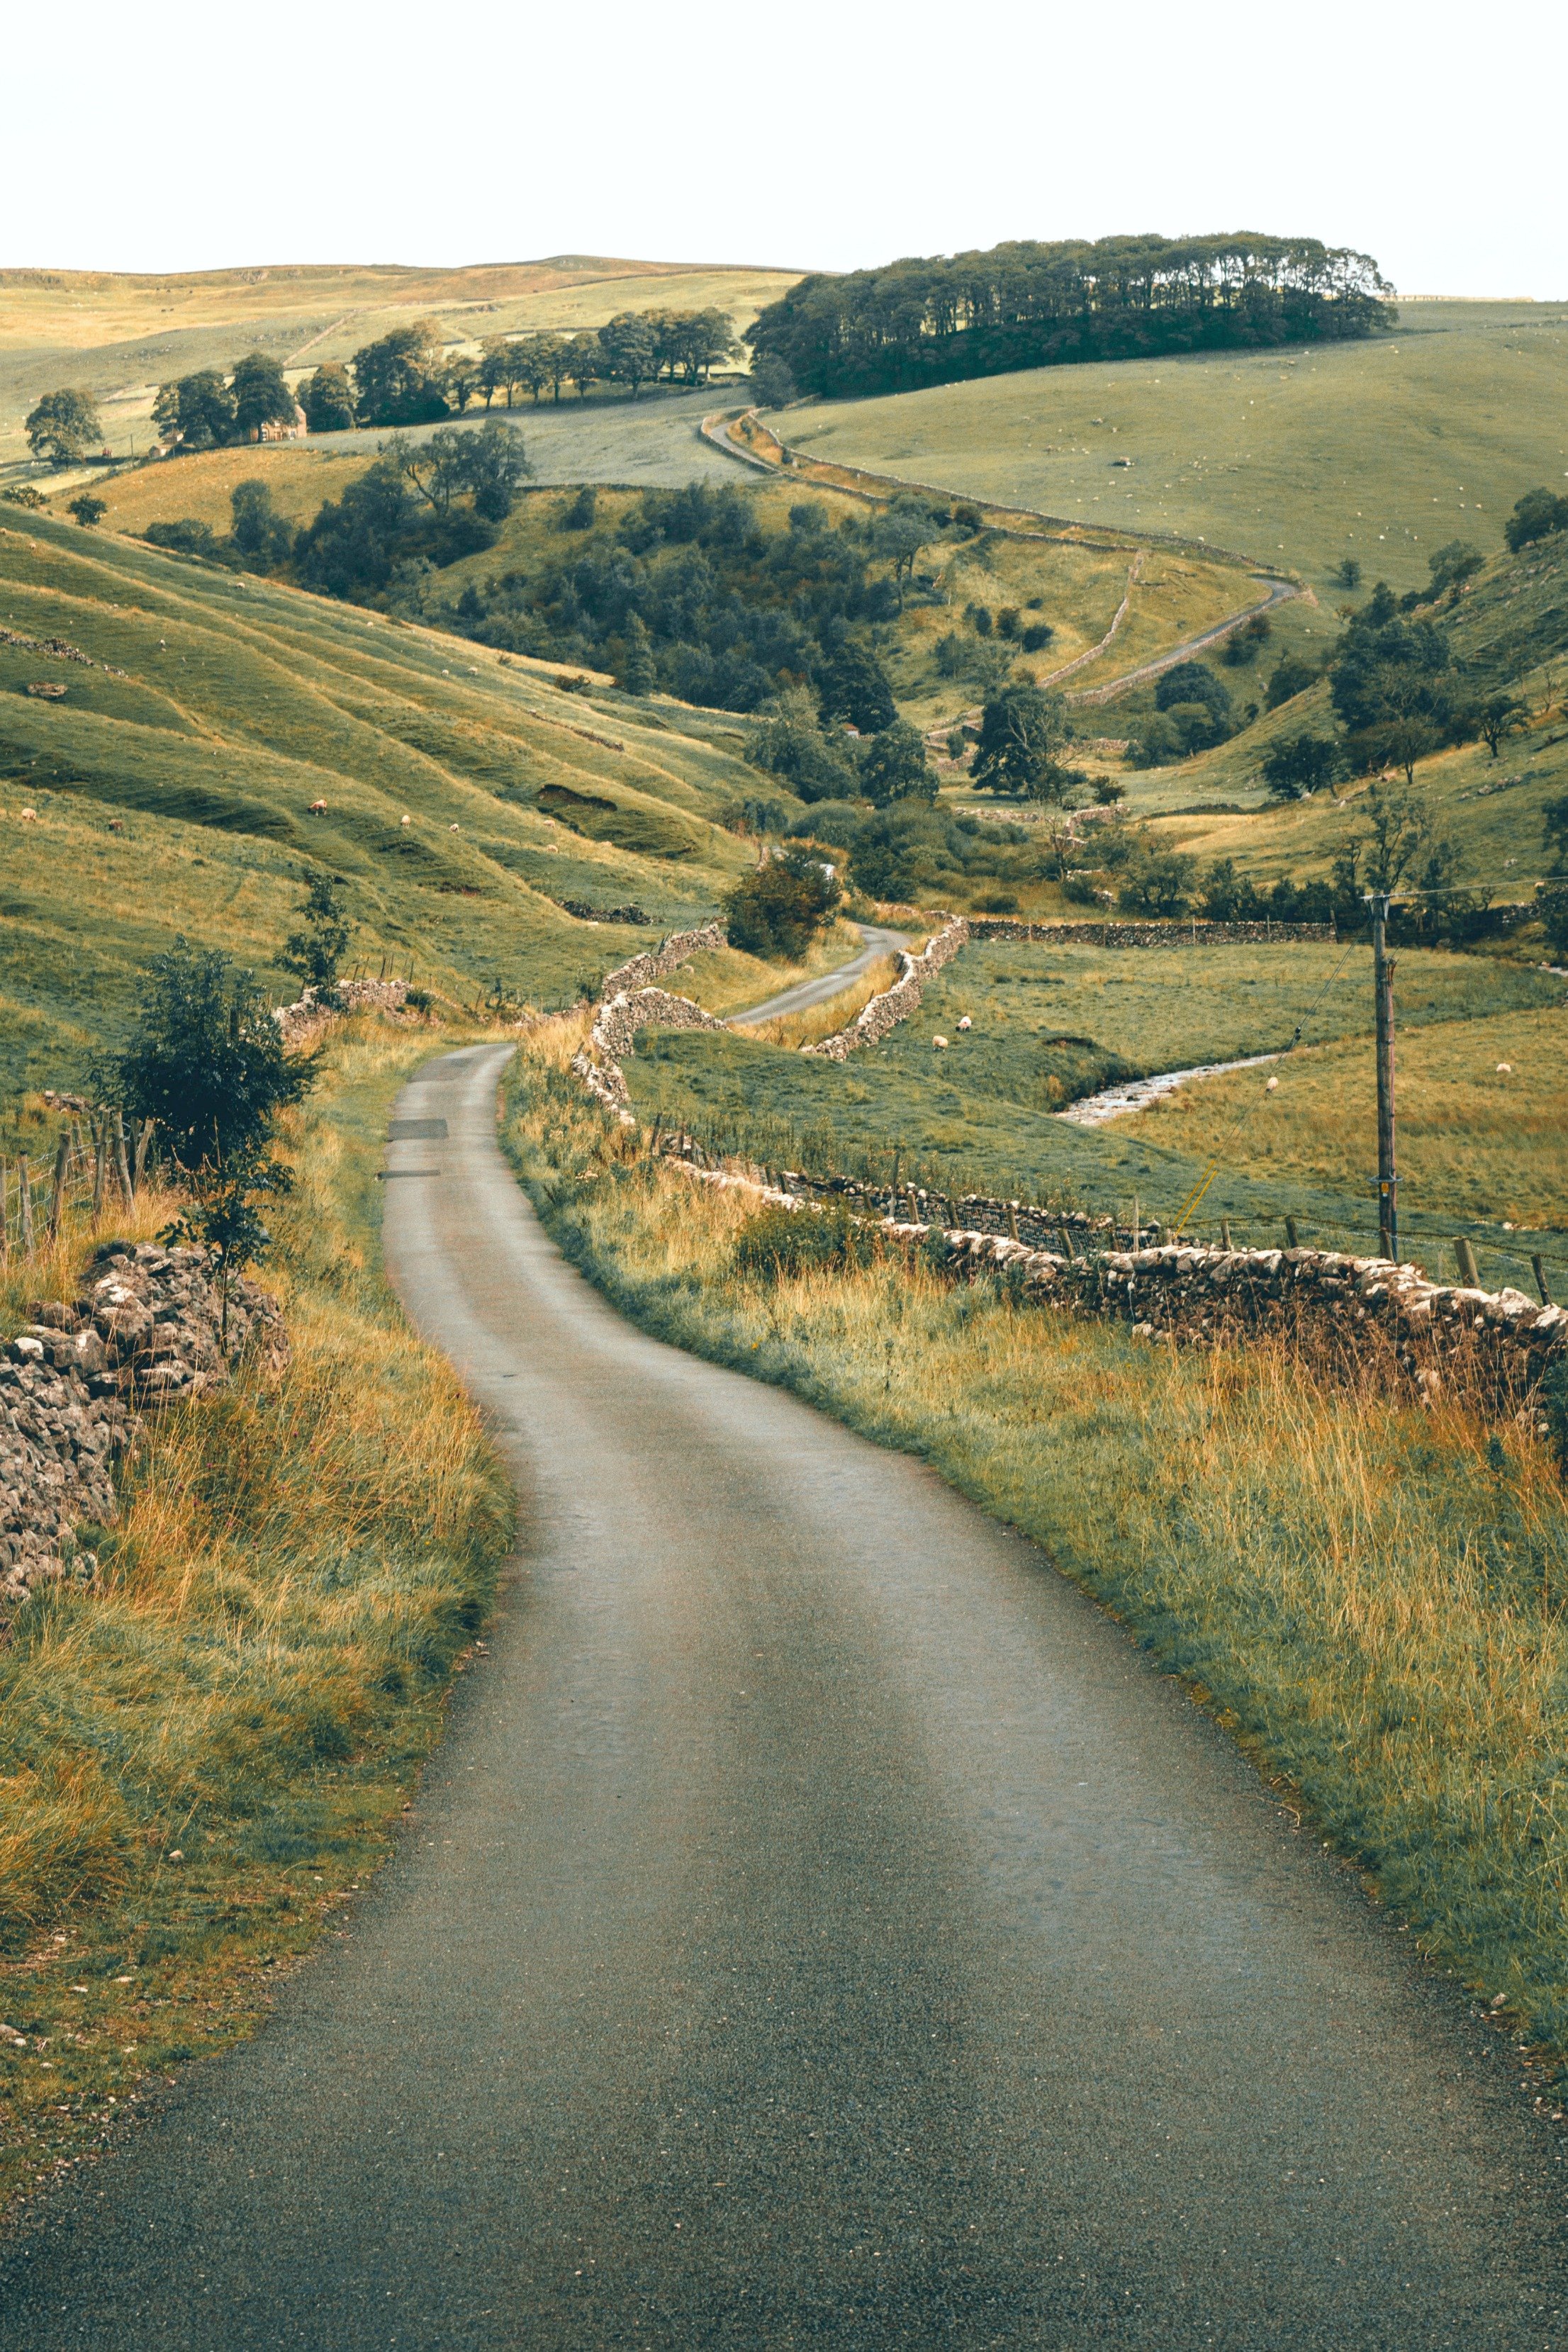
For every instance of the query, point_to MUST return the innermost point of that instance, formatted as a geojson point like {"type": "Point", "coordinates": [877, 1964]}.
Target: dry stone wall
{"type": "Point", "coordinates": [894, 1005]}
{"type": "Point", "coordinates": [146, 1331]}
{"type": "Point", "coordinates": [1148, 935]}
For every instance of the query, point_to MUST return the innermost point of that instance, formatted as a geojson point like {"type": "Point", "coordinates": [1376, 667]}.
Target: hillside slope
{"type": "Point", "coordinates": [1379, 450]}
{"type": "Point", "coordinates": [172, 789]}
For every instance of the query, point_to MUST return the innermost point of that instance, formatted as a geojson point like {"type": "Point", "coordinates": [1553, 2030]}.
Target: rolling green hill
{"type": "Point", "coordinates": [171, 790]}
{"type": "Point", "coordinates": [120, 335]}
{"type": "Point", "coordinates": [1380, 451]}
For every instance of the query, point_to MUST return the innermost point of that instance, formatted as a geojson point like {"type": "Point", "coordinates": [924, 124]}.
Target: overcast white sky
{"type": "Point", "coordinates": [815, 135]}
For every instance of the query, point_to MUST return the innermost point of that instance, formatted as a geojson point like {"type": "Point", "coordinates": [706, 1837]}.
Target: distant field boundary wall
{"type": "Point", "coordinates": [717, 429]}
{"type": "Point", "coordinates": [629, 1001]}
{"type": "Point", "coordinates": [1148, 935]}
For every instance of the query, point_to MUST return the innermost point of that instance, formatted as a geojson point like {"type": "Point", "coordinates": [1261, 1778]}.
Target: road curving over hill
{"type": "Point", "coordinates": [821, 1927]}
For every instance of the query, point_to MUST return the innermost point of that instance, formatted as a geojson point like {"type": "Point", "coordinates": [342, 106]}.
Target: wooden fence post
{"type": "Point", "coordinates": [101, 1165]}
{"type": "Point", "coordinates": [57, 1195]}
{"type": "Point", "coordinates": [23, 1208]}
{"type": "Point", "coordinates": [1292, 1238]}
{"type": "Point", "coordinates": [121, 1167]}
{"type": "Point", "coordinates": [1538, 1267]}
{"type": "Point", "coordinates": [1467, 1258]}
{"type": "Point", "coordinates": [5, 1222]}
{"type": "Point", "coordinates": [143, 1137]}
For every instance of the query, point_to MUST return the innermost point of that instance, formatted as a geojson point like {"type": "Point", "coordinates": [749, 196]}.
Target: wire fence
{"type": "Point", "coordinates": [94, 1160]}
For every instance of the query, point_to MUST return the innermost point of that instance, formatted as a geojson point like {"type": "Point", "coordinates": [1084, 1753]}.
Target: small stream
{"type": "Point", "coordinates": [1137, 1093]}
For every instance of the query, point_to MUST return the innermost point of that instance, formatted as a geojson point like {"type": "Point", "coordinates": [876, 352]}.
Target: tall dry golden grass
{"type": "Point", "coordinates": [1375, 1596]}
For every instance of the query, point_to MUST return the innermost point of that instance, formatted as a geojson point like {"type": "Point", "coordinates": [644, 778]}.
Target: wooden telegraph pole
{"type": "Point", "coordinates": [1383, 995]}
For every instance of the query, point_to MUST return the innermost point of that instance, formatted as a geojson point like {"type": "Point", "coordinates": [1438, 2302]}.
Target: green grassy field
{"type": "Point", "coordinates": [1370, 1596]}
{"type": "Point", "coordinates": [1382, 450]}
{"type": "Point", "coordinates": [1483, 1105]}
{"type": "Point", "coordinates": [177, 796]}
{"type": "Point", "coordinates": [1054, 1023]}
{"type": "Point", "coordinates": [120, 336]}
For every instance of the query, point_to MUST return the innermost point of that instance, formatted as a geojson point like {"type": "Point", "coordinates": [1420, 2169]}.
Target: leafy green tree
{"type": "Point", "coordinates": [185, 536]}
{"type": "Point", "coordinates": [1244, 645]}
{"type": "Point", "coordinates": [1500, 716]}
{"type": "Point", "coordinates": [627, 350]}
{"type": "Point", "coordinates": [1536, 515]}
{"type": "Point", "coordinates": [637, 673]}
{"type": "Point", "coordinates": [856, 689]}
{"type": "Point", "coordinates": [581, 363]}
{"type": "Point", "coordinates": [1299, 765]}
{"type": "Point", "coordinates": [205, 1059]}
{"type": "Point", "coordinates": [261, 396]}
{"type": "Point", "coordinates": [1396, 688]}
{"type": "Point", "coordinates": [1021, 730]}
{"type": "Point", "coordinates": [64, 425]}
{"type": "Point", "coordinates": [317, 949]}
{"type": "Point", "coordinates": [498, 369]}
{"type": "Point", "coordinates": [894, 766]}
{"type": "Point", "coordinates": [398, 378]}
{"type": "Point", "coordinates": [328, 399]}
{"type": "Point", "coordinates": [461, 380]}
{"type": "Point", "coordinates": [197, 411]}
{"type": "Point", "coordinates": [89, 510]}
{"type": "Point", "coordinates": [262, 537]}
{"type": "Point", "coordinates": [582, 508]}
{"type": "Point", "coordinates": [1290, 676]}
{"type": "Point", "coordinates": [1157, 882]}
{"type": "Point", "coordinates": [1451, 564]}
{"type": "Point", "coordinates": [778, 910]}
{"type": "Point", "coordinates": [221, 1215]}
{"type": "Point", "coordinates": [350, 548]}
{"type": "Point", "coordinates": [1348, 574]}
{"type": "Point", "coordinates": [897, 535]}
{"type": "Point", "coordinates": [791, 745]}
{"type": "Point", "coordinates": [1194, 683]}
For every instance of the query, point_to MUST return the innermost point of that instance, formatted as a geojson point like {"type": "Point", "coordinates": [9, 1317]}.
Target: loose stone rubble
{"type": "Point", "coordinates": [74, 1385]}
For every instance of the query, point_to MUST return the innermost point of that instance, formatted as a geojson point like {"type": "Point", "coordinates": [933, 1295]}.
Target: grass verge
{"type": "Point", "coordinates": [200, 1763]}
{"type": "Point", "coordinates": [1370, 1598]}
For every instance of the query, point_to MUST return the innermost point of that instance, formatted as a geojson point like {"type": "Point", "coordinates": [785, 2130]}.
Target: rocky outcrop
{"type": "Point", "coordinates": [894, 1005]}
{"type": "Point", "coordinates": [148, 1330]}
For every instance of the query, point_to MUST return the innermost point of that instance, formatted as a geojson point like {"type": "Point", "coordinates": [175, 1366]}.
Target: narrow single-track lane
{"type": "Point", "coordinates": [821, 1927]}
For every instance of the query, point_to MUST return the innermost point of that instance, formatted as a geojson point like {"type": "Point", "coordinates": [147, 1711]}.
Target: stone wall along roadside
{"type": "Point", "coordinates": [146, 1331]}
{"type": "Point", "coordinates": [1148, 935]}
{"type": "Point", "coordinates": [300, 1021]}
{"type": "Point", "coordinates": [886, 1010]}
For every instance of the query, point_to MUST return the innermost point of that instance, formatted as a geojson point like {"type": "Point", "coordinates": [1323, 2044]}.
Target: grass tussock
{"type": "Point", "coordinates": [195, 1761]}
{"type": "Point", "coordinates": [1373, 1598]}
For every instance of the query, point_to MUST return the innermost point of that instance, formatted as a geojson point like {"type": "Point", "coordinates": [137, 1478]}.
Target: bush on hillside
{"type": "Point", "coordinates": [777, 910]}
{"type": "Point", "coordinates": [205, 1059]}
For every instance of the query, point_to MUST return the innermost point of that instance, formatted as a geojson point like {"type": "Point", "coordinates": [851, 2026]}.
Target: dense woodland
{"type": "Point", "coordinates": [1029, 305]}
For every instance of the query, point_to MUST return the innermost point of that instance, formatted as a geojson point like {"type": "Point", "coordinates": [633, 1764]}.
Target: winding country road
{"type": "Point", "coordinates": [820, 1928]}
{"type": "Point", "coordinates": [826, 985]}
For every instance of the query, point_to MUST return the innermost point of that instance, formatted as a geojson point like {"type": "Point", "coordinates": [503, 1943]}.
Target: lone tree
{"type": "Point", "coordinates": [88, 511]}
{"type": "Point", "coordinates": [63, 426]}
{"type": "Point", "coordinates": [897, 536]}
{"type": "Point", "coordinates": [1021, 730]}
{"type": "Point", "coordinates": [317, 949]}
{"type": "Point", "coordinates": [205, 1059]}
{"type": "Point", "coordinates": [778, 910]}
{"type": "Point", "coordinates": [1500, 715]}
{"type": "Point", "coordinates": [1299, 765]}
{"type": "Point", "coordinates": [261, 395]}
{"type": "Point", "coordinates": [893, 767]}
{"type": "Point", "coordinates": [329, 399]}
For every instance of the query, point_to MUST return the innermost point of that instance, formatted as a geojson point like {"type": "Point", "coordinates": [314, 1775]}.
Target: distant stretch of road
{"type": "Point", "coordinates": [821, 1928]}
{"type": "Point", "coordinates": [826, 985]}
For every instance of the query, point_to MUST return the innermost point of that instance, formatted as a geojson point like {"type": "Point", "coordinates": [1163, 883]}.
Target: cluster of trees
{"type": "Point", "coordinates": [1193, 712]}
{"type": "Point", "coordinates": [778, 909]}
{"type": "Point", "coordinates": [1022, 305]}
{"type": "Point", "coordinates": [421, 504]}
{"type": "Point", "coordinates": [1535, 516]}
{"type": "Point", "coordinates": [689, 592]}
{"type": "Point", "coordinates": [214, 410]}
{"type": "Point", "coordinates": [912, 850]}
{"type": "Point", "coordinates": [407, 377]}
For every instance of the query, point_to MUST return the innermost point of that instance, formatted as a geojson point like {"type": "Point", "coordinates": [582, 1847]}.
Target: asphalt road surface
{"type": "Point", "coordinates": [808, 992]}
{"type": "Point", "coordinates": [820, 1928]}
